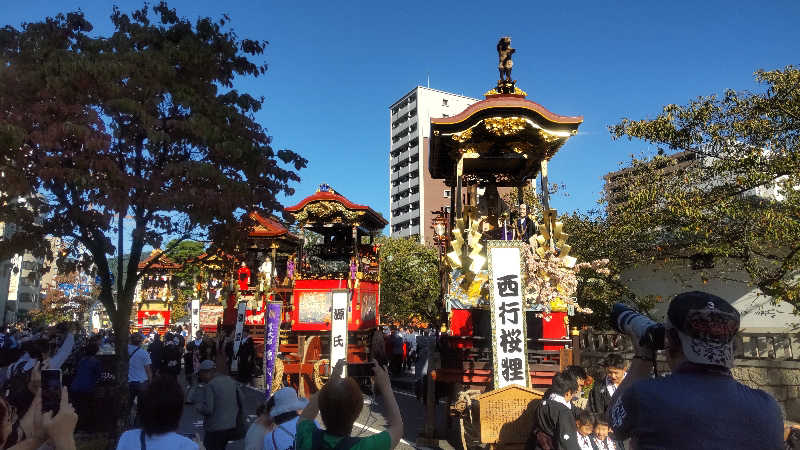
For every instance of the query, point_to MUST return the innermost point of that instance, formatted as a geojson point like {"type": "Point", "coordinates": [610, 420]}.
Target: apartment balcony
{"type": "Point", "coordinates": [401, 202]}
{"type": "Point", "coordinates": [408, 169]}
{"type": "Point", "coordinates": [400, 142]}
{"type": "Point", "coordinates": [411, 168]}
{"type": "Point", "coordinates": [409, 123]}
{"type": "Point", "coordinates": [397, 189]}
{"type": "Point", "coordinates": [402, 217]}
{"type": "Point", "coordinates": [402, 233]}
{"type": "Point", "coordinates": [414, 229]}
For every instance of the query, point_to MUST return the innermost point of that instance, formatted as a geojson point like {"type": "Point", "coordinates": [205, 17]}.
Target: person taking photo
{"type": "Point", "coordinates": [700, 405]}
{"type": "Point", "coordinates": [340, 402]}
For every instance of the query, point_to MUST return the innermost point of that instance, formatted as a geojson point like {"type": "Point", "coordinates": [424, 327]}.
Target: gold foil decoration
{"type": "Point", "coordinates": [517, 91]}
{"type": "Point", "coordinates": [521, 147]}
{"type": "Point", "coordinates": [545, 241]}
{"type": "Point", "coordinates": [325, 210]}
{"type": "Point", "coordinates": [473, 150]}
{"type": "Point", "coordinates": [504, 126]}
{"type": "Point", "coordinates": [457, 244]}
{"type": "Point", "coordinates": [463, 136]}
{"type": "Point", "coordinates": [548, 137]}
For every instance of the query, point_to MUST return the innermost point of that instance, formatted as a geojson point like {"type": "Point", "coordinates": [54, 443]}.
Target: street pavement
{"type": "Point", "coordinates": [370, 421]}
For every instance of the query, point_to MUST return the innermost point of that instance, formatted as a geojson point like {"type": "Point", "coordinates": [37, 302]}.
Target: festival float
{"type": "Point", "coordinates": [233, 292]}
{"type": "Point", "coordinates": [511, 284]}
{"type": "Point", "coordinates": [154, 295]}
{"type": "Point", "coordinates": [335, 289]}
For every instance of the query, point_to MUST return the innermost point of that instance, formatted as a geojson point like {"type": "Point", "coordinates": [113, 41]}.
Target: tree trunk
{"type": "Point", "coordinates": [120, 321]}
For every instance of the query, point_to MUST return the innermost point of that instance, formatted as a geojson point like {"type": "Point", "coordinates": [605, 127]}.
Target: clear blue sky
{"type": "Point", "coordinates": [335, 67]}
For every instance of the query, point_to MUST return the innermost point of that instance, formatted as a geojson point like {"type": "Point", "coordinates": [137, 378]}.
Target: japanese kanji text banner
{"type": "Point", "coordinates": [237, 337]}
{"type": "Point", "coordinates": [339, 304]}
{"type": "Point", "coordinates": [509, 344]}
{"type": "Point", "coordinates": [272, 323]}
{"type": "Point", "coordinates": [195, 319]}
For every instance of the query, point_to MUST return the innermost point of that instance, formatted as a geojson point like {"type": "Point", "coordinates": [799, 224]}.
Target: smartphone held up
{"type": "Point", "coordinates": [51, 390]}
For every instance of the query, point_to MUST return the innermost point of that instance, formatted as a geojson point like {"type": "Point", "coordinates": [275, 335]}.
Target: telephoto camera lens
{"type": "Point", "coordinates": [627, 320]}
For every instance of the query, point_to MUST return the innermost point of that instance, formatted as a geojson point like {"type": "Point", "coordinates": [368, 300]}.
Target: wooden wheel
{"type": "Point", "coordinates": [311, 354]}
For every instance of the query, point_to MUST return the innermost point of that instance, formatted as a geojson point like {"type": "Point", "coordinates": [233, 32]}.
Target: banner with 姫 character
{"type": "Point", "coordinates": [509, 343]}
{"type": "Point", "coordinates": [272, 322]}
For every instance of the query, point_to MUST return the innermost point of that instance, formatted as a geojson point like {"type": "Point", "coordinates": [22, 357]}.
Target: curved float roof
{"type": "Point", "coordinates": [510, 134]}
{"type": "Point", "coordinates": [367, 217]}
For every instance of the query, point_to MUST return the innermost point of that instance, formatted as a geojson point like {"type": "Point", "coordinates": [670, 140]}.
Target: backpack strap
{"type": "Point", "coordinates": [346, 443]}
{"type": "Point", "coordinates": [133, 353]}
{"type": "Point", "coordinates": [141, 439]}
{"type": "Point", "coordinates": [317, 442]}
{"type": "Point", "coordinates": [316, 439]}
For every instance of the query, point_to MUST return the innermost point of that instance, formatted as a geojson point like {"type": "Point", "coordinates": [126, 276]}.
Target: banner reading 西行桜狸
{"type": "Point", "coordinates": [339, 303]}
{"type": "Point", "coordinates": [272, 323]}
{"type": "Point", "coordinates": [509, 344]}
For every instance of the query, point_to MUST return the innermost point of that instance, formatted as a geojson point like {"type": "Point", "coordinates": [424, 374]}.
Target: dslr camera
{"type": "Point", "coordinates": [626, 320]}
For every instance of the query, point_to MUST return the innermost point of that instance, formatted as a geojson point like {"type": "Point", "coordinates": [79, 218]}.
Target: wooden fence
{"type": "Point", "coordinates": [749, 348]}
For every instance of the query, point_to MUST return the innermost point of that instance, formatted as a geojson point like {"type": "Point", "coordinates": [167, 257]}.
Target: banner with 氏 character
{"type": "Point", "coordinates": [272, 323]}
{"type": "Point", "coordinates": [509, 344]}
{"type": "Point", "coordinates": [339, 305]}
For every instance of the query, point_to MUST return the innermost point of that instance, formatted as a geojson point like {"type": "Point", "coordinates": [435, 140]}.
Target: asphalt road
{"type": "Point", "coordinates": [370, 421]}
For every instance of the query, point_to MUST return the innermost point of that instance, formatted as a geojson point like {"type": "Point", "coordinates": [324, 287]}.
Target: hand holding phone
{"type": "Point", "coordinates": [60, 428]}
{"type": "Point", "coordinates": [51, 390]}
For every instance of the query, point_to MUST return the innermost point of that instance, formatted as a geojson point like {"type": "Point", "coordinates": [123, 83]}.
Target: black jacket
{"type": "Point", "coordinates": [556, 422]}
{"type": "Point", "coordinates": [599, 398]}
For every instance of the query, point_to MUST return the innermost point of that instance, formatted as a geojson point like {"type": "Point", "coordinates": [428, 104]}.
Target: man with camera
{"type": "Point", "coordinates": [700, 405]}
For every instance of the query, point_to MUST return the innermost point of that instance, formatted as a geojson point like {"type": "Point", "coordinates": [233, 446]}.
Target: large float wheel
{"type": "Point", "coordinates": [312, 354]}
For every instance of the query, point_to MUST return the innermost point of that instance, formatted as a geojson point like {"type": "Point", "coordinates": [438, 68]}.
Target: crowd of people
{"type": "Point", "coordinates": [614, 405]}
{"type": "Point", "coordinates": [86, 365]}
{"type": "Point", "coordinates": [572, 413]}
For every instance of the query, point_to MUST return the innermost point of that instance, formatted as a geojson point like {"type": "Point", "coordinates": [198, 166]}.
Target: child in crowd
{"type": "Point", "coordinates": [555, 424]}
{"type": "Point", "coordinates": [600, 437]}
{"type": "Point", "coordinates": [585, 422]}
{"type": "Point", "coordinates": [579, 402]}
{"type": "Point", "coordinates": [603, 390]}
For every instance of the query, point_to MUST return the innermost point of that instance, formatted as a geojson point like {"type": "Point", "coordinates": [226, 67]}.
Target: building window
{"type": "Point", "coordinates": [447, 193]}
{"type": "Point", "coordinates": [447, 209]}
{"type": "Point", "coordinates": [444, 102]}
{"type": "Point", "coordinates": [28, 265]}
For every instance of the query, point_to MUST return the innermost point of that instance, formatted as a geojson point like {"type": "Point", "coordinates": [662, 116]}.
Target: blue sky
{"type": "Point", "coordinates": [335, 67]}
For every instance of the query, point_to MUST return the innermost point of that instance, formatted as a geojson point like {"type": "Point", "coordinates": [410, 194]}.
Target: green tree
{"type": "Point", "coordinates": [409, 281]}
{"type": "Point", "coordinates": [142, 126]}
{"type": "Point", "coordinates": [592, 238]}
{"type": "Point", "coordinates": [734, 194]}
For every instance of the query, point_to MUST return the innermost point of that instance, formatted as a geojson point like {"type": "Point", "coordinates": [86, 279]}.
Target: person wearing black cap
{"type": "Point", "coordinates": [700, 405]}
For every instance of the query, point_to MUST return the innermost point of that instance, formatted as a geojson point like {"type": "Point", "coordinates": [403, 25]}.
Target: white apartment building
{"type": "Point", "coordinates": [20, 288]}
{"type": "Point", "coordinates": [413, 194]}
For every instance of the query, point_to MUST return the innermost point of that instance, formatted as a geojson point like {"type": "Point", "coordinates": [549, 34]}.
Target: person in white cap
{"type": "Point", "coordinates": [700, 405]}
{"type": "Point", "coordinates": [284, 407]}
